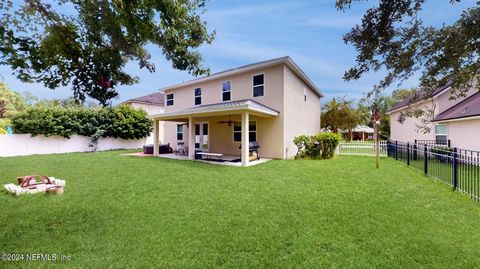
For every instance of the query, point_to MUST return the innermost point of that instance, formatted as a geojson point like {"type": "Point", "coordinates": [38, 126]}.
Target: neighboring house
{"type": "Point", "coordinates": [454, 122]}
{"type": "Point", "coordinates": [361, 132]}
{"type": "Point", "coordinates": [153, 104]}
{"type": "Point", "coordinates": [268, 102]}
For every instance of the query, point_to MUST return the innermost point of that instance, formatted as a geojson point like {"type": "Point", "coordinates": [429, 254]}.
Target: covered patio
{"type": "Point", "coordinates": [242, 112]}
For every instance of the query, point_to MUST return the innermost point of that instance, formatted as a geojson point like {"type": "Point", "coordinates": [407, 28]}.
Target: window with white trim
{"type": "Point", "coordinates": [180, 132]}
{"type": "Point", "coordinates": [258, 85]}
{"type": "Point", "coordinates": [252, 131]}
{"type": "Point", "coordinates": [198, 96]}
{"type": "Point", "coordinates": [170, 99]}
{"type": "Point", "coordinates": [226, 91]}
{"type": "Point", "coordinates": [441, 134]}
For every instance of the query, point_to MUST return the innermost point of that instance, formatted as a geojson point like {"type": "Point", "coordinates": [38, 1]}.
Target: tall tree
{"type": "Point", "coordinates": [10, 102]}
{"type": "Point", "coordinates": [86, 44]}
{"type": "Point", "coordinates": [393, 36]}
{"type": "Point", "coordinates": [339, 116]}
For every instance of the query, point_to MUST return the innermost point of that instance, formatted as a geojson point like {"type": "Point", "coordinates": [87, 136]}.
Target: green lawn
{"type": "Point", "coordinates": [120, 211]}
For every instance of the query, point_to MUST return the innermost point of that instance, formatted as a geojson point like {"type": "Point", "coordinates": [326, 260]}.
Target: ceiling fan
{"type": "Point", "coordinates": [229, 121]}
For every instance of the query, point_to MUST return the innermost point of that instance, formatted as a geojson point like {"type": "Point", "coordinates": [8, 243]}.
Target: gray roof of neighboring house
{"type": "Point", "coordinates": [155, 98]}
{"type": "Point", "coordinates": [419, 96]}
{"type": "Point", "coordinates": [469, 107]}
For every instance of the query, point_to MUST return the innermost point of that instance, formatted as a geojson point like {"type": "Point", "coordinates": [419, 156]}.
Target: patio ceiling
{"type": "Point", "coordinates": [219, 109]}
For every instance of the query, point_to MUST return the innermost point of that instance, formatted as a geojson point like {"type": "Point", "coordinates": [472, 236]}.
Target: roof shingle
{"type": "Point", "coordinates": [469, 107]}
{"type": "Point", "coordinates": [156, 98]}
{"type": "Point", "coordinates": [419, 96]}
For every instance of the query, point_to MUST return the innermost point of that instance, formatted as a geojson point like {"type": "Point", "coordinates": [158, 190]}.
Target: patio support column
{"type": "Point", "coordinates": [191, 139]}
{"type": "Point", "coordinates": [156, 135]}
{"type": "Point", "coordinates": [245, 138]}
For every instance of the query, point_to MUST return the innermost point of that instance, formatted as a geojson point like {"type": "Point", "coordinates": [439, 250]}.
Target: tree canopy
{"type": "Point", "coordinates": [86, 44]}
{"type": "Point", "coordinates": [339, 115]}
{"type": "Point", "coordinates": [392, 36]}
{"type": "Point", "coordinates": [11, 102]}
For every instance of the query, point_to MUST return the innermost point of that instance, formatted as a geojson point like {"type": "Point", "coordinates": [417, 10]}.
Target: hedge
{"type": "Point", "coordinates": [117, 122]}
{"type": "Point", "coordinates": [320, 146]}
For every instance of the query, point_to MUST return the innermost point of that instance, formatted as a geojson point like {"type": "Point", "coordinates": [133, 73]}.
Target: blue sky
{"type": "Point", "coordinates": [250, 31]}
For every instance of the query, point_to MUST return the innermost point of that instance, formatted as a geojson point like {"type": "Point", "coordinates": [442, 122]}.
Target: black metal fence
{"type": "Point", "coordinates": [432, 143]}
{"type": "Point", "coordinates": [459, 168]}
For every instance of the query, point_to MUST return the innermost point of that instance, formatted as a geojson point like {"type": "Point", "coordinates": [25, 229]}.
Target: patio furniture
{"type": "Point", "coordinates": [210, 155]}
{"type": "Point", "coordinates": [253, 149]}
{"type": "Point", "coordinates": [162, 149]}
{"type": "Point", "coordinates": [182, 150]}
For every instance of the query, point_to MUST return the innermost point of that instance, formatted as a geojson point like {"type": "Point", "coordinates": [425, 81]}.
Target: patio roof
{"type": "Point", "coordinates": [218, 109]}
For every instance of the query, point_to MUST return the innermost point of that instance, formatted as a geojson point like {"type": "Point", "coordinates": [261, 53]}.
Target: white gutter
{"type": "Point", "coordinates": [246, 106]}
{"type": "Point", "coordinates": [458, 119]}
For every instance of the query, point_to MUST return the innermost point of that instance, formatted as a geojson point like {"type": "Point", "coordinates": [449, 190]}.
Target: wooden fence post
{"type": "Point", "coordinates": [455, 169]}
{"type": "Point", "coordinates": [425, 159]}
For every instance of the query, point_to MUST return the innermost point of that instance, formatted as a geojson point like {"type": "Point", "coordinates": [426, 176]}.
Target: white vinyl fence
{"type": "Point", "coordinates": [364, 148]}
{"type": "Point", "coordinates": [25, 144]}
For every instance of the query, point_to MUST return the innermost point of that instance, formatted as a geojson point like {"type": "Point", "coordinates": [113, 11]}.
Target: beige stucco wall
{"type": "Point", "coordinates": [150, 109]}
{"type": "Point", "coordinates": [408, 131]}
{"type": "Point", "coordinates": [444, 102]}
{"type": "Point", "coordinates": [464, 134]}
{"type": "Point", "coordinates": [301, 117]}
{"type": "Point", "coordinates": [283, 92]}
{"type": "Point", "coordinates": [269, 130]}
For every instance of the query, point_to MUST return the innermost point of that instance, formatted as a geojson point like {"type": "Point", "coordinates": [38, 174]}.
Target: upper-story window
{"type": "Point", "coordinates": [198, 96]}
{"type": "Point", "coordinates": [226, 91]}
{"type": "Point", "coordinates": [258, 85]}
{"type": "Point", "coordinates": [305, 94]}
{"type": "Point", "coordinates": [170, 99]}
{"type": "Point", "coordinates": [441, 134]}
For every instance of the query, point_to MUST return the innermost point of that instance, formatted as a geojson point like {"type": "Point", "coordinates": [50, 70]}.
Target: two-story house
{"type": "Point", "coordinates": [268, 102]}
{"type": "Point", "coordinates": [452, 122]}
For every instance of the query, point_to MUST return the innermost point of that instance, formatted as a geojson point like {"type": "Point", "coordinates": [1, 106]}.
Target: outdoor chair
{"type": "Point", "coordinates": [182, 150]}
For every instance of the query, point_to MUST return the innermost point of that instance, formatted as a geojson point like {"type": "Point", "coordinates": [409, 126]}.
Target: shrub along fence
{"type": "Point", "coordinates": [320, 146]}
{"type": "Point", "coordinates": [459, 168]}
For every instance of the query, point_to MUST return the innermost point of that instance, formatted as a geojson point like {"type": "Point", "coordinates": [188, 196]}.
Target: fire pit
{"type": "Point", "coordinates": [30, 185]}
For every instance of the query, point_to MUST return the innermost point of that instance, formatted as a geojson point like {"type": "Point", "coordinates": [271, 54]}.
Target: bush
{"type": "Point", "coordinates": [443, 154]}
{"type": "Point", "coordinates": [117, 122]}
{"type": "Point", "coordinates": [304, 144]}
{"type": "Point", "coordinates": [328, 142]}
{"type": "Point", "coordinates": [320, 146]}
{"type": "Point", "coordinates": [4, 123]}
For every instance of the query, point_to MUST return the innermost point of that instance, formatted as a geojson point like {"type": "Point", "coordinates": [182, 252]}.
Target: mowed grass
{"type": "Point", "coordinates": [129, 212]}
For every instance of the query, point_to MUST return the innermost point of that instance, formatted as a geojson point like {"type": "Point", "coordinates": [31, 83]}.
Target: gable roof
{"type": "Point", "coordinates": [156, 98]}
{"type": "Point", "coordinates": [470, 107]}
{"type": "Point", "coordinates": [285, 60]}
{"type": "Point", "coordinates": [420, 95]}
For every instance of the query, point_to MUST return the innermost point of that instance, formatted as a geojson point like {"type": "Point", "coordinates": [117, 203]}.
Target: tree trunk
{"type": "Point", "coordinates": [377, 145]}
